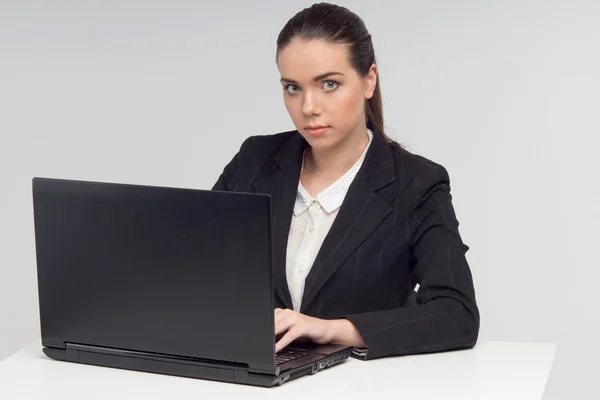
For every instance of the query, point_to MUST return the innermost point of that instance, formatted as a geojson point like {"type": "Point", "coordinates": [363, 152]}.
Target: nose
{"type": "Point", "coordinates": [310, 104]}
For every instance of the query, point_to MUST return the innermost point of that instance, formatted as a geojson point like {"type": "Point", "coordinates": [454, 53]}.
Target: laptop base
{"type": "Point", "coordinates": [182, 367]}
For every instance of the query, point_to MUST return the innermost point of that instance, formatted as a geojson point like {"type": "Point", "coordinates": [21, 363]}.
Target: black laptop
{"type": "Point", "coordinates": [165, 280]}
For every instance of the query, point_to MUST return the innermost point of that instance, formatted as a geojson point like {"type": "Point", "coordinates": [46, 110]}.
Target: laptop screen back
{"type": "Point", "coordinates": [180, 272]}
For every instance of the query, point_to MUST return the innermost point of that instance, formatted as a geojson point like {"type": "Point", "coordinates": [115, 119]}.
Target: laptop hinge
{"type": "Point", "coordinates": [265, 370]}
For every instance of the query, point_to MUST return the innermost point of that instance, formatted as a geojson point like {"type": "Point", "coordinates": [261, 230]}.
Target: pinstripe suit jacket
{"type": "Point", "coordinates": [396, 228]}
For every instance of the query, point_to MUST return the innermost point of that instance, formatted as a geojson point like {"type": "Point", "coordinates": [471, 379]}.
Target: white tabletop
{"type": "Point", "coordinates": [492, 370]}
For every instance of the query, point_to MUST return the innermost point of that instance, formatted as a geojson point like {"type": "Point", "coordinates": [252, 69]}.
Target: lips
{"type": "Point", "coordinates": [316, 129]}
{"type": "Point", "coordinates": [315, 126]}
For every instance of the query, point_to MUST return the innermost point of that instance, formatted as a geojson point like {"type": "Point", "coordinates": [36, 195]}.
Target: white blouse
{"type": "Point", "coordinates": [313, 216]}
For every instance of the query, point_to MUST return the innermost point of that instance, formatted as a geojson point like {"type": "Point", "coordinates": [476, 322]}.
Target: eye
{"type": "Point", "coordinates": [327, 85]}
{"type": "Point", "coordinates": [287, 87]}
{"type": "Point", "coordinates": [330, 85]}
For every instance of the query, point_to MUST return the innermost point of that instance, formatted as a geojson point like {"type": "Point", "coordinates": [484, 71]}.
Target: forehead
{"type": "Point", "coordinates": [303, 60]}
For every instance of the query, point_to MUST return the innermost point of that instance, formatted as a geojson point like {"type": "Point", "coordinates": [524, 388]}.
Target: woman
{"type": "Point", "coordinates": [358, 221]}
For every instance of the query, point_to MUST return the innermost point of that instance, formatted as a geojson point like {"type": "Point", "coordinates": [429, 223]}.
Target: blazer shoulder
{"type": "Point", "coordinates": [419, 167]}
{"type": "Point", "coordinates": [253, 151]}
{"type": "Point", "coordinates": [267, 143]}
{"type": "Point", "coordinates": [418, 176]}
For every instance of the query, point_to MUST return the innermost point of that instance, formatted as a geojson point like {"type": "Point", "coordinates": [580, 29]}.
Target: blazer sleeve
{"type": "Point", "coordinates": [446, 316]}
{"type": "Point", "coordinates": [232, 169]}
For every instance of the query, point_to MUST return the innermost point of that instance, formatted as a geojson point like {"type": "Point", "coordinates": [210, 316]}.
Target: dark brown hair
{"type": "Point", "coordinates": [337, 24]}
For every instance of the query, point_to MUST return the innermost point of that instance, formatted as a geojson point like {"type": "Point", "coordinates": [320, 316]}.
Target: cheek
{"type": "Point", "coordinates": [290, 106]}
{"type": "Point", "coordinates": [294, 109]}
{"type": "Point", "coordinates": [349, 105]}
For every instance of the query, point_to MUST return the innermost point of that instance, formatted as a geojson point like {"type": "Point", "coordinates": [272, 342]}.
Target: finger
{"type": "Point", "coordinates": [284, 325]}
{"type": "Point", "coordinates": [283, 315]}
{"type": "Point", "coordinates": [288, 338]}
{"type": "Point", "coordinates": [279, 310]}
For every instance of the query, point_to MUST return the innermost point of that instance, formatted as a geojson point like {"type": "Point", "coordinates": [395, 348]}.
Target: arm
{"type": "Point", "coordinates": [446, 316]}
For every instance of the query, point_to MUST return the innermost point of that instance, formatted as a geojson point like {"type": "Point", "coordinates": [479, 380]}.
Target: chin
{"type": "Point", "coordinates": [322, 143]}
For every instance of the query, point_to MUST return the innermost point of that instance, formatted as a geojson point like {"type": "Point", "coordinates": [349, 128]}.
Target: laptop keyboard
{"type": "Point", "coordinates": [287, 355]}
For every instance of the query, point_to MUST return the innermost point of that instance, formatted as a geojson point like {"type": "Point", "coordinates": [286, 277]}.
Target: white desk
{"type": "Point", "coordinates": [493, 370]}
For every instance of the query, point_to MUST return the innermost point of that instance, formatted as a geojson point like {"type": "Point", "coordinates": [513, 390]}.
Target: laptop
{"type": "Point", "coordinates": [163, 280]}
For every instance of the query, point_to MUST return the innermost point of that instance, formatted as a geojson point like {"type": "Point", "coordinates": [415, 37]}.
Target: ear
{"type": "Point", "coordinates": [371, 81]}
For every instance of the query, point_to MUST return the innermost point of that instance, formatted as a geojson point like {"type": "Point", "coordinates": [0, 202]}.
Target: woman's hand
{"type": "Point", "coordinates": [292, 325]}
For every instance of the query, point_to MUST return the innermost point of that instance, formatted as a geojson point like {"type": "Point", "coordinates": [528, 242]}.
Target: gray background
{"type": "Point", "coordinates": [505, 94]}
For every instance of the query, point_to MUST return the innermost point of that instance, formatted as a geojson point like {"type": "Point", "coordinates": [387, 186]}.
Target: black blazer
{"type": "Point", "coordinates": [395, 228]}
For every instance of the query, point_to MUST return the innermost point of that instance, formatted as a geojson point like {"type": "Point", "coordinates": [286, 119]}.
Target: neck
{"type": "Point", "coordinates": [335, 161]}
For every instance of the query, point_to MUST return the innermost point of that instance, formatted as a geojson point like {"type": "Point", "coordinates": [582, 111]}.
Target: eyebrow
{"type": "Point", "coordinates": [316, 78]}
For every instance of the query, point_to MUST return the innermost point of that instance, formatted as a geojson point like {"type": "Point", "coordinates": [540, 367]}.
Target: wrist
{"type": "Point", "coordinates": [342, 331]}
{"type": "Point", "coordinates": [335, 331]}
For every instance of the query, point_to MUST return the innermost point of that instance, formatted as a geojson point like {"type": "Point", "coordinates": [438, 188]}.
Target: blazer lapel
{"type": "Point", "coordinates": [360, 213]}
{"type": "Point", "coordinates": [281, 183]}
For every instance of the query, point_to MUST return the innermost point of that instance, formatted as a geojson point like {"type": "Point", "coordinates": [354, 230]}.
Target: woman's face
{"type": "Point", "coordinates": [320, 88]}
